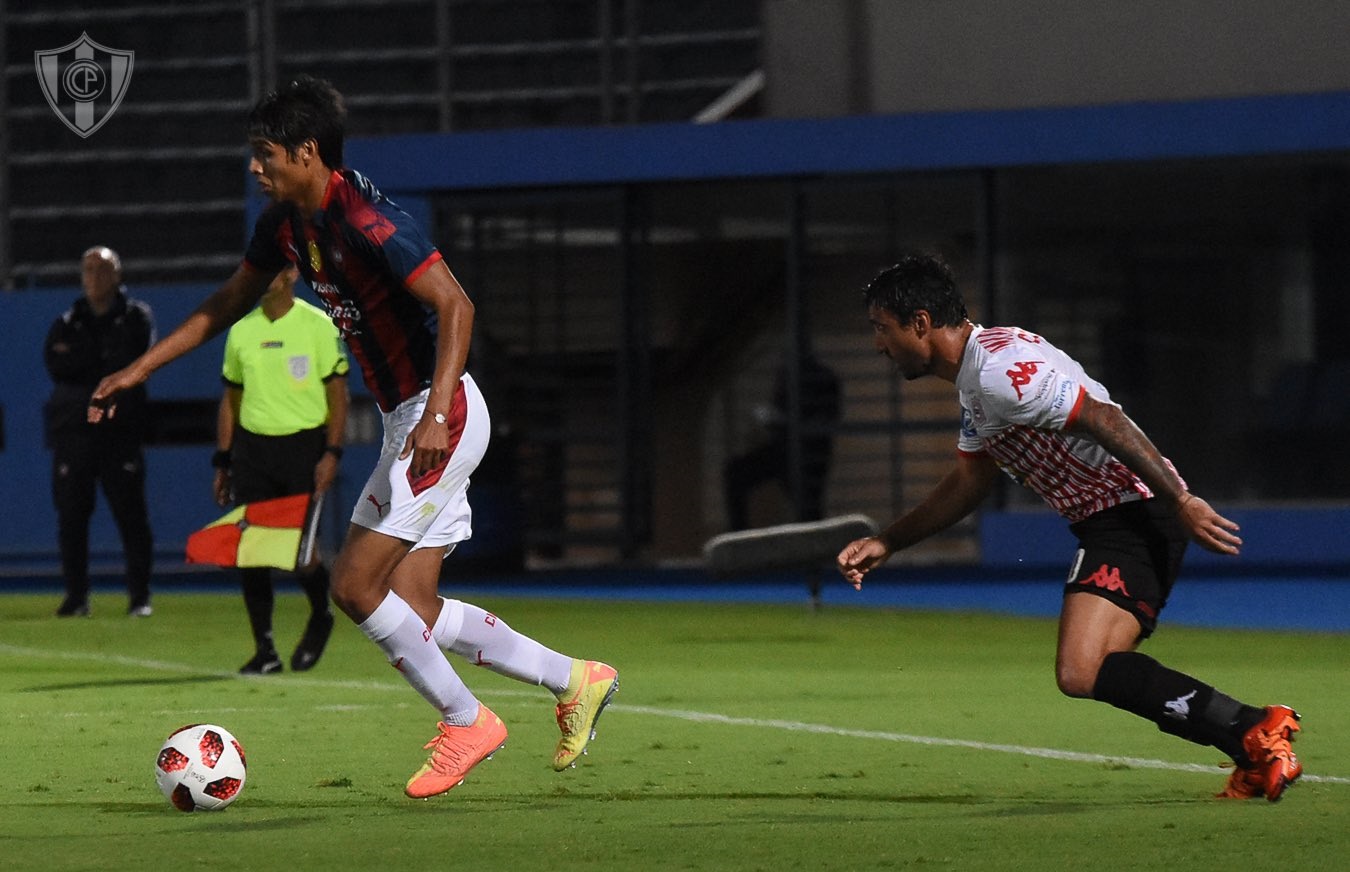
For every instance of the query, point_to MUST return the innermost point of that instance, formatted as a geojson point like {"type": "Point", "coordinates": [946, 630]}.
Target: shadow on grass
{"type": "Point", "coordinates": [231, 819]}
{"type": "Point", "coordinates": [128, 682]}
{"type": "Point", "coordinates": [980, 805]}
{"type": "Point", "coordinates": [247, 811]}
{"type": "Point", "coordinates": [562, 796]}
{"type": "Point", "coordinates": [244, 812]}
{"type": "Point", "coordinates": [764, 796]}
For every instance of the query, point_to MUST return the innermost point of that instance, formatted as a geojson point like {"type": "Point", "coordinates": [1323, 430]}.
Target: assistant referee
{"type": "Point", "coordinates": [279, 432]}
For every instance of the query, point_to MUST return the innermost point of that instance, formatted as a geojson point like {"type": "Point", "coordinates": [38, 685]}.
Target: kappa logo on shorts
{"type": "Point", "coordinates": [1106, 578]}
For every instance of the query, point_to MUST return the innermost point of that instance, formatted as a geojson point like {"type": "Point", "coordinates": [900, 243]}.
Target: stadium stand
{"type": "Point", "coordinates": [161, 181]}
{"type": "Point", "coordinates": [593, 240]}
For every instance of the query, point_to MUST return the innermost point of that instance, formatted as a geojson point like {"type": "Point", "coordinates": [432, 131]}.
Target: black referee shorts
{"type": "Point", "coordinates": [1130, 554]}
{"type": "Point", "coordinates": [267, 467]}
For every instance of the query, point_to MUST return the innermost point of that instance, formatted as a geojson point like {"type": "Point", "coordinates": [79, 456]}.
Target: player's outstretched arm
{"type": "Point", "coordinates": [1114, 431]}
{"type": "Point", "coordinates": [236, 297]}
{"type": "Point", "coordinates": [954, 497]}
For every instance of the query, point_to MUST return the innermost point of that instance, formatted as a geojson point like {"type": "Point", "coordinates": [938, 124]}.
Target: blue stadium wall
{"type": "Point", "coordinates": [405, 166]}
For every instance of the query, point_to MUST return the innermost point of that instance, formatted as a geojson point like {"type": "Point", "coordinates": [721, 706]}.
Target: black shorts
{"type": "Point", "coordinates": [267, 467]}
{"type": "Point", "coordinates": [1130, 554]}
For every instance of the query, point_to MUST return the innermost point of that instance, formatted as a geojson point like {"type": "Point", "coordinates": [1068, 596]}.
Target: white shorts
{"type": "Point", "coordinates": [433, 511]}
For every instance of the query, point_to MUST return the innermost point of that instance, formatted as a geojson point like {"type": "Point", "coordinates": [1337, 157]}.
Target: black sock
{"type": "Point", "coordinates": [315, 586]}
{"type": "Point", "coordinates": [258, 598]}
{"type": "Point", "coordinates": [1179, 704]}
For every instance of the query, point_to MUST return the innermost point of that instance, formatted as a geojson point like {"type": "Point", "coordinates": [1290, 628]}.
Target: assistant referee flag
{"type": "Point", "coordinates": [276, 533]}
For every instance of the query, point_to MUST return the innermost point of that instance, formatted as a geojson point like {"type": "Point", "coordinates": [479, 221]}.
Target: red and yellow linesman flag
{"type": "Point", "coordinates": [276, 533]}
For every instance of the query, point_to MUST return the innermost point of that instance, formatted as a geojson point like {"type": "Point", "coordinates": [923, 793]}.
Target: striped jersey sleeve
{"type": "Point", "coordinates": [1019, 397]}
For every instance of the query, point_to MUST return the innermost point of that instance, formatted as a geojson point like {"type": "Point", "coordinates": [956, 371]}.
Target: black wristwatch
{"type": "Point", "coordinates": [221, 459]}
{"type": "Point", "coordinates": [335, 450]}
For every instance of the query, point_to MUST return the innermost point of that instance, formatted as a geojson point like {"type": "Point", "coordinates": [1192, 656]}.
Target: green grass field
{"type": "Point", "coordinates": [744, 738]}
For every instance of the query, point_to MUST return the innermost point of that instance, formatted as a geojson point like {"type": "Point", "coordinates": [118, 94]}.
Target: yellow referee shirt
{"type": "Point", "coordinates": [281, 366]}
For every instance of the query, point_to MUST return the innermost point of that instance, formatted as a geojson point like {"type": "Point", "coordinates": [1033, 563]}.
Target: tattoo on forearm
{"type": "Point", "coordinates": [1132, 447]}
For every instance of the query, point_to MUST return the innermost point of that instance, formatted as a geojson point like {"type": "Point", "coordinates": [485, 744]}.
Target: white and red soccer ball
{"type": "Point", "coordinates": [200, 768]}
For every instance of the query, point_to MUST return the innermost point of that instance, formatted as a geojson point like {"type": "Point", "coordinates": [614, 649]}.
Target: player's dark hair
{"type": "Point", "coordinates": [302, 109]}
{"type": "Point", "coordinates": [918, 281]}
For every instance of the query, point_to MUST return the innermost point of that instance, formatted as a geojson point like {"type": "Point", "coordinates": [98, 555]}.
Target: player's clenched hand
{"type": "Point", "coordinates": [104, 399]}
{"type": "Point", "coordinates": [222, 487]}
{"type": "Point", "coordinates": [1207, 527]}
{"type": "Point", "coordinates": [860, 556]}
{"type": "Point", "coordinates": [428, 443]}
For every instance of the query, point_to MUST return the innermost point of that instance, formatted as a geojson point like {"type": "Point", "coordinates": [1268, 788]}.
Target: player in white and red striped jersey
{"type": "Point", "coordinates": [1029, 409]}
{"type": "Point", "coordinates": [1019, 394]}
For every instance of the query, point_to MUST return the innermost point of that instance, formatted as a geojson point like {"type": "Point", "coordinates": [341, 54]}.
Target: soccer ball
{"type": "Point", "coordinates": [200, 768]}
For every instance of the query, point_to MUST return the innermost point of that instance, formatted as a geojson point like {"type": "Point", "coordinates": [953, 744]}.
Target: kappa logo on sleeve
{"type": "Point", "coordinates": [1021, 374]}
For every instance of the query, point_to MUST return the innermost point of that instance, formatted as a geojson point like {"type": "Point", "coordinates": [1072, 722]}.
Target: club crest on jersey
{"type": "Point", "coordinates": [299, 366]}
{"type": "Point", "coordinates": [315, 261]}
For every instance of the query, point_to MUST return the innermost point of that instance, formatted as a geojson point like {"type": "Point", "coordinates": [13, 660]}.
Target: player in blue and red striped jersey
{"type": "Point", "coordinates": [408, 323]}
{"type": "Point", "coordinates": [1030, 410]}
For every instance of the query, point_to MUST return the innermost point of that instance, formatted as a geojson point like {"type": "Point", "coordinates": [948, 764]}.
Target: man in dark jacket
{"type": "Point", "coordinates": [772, 458]}
{"type": "Point", "coordinates": [101, 333]}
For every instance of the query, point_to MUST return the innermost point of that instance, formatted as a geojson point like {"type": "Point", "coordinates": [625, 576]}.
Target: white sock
{"type": "Point", "coordinates": [407, 642]}
{"type": "Point", "coordinates": [484, 639]}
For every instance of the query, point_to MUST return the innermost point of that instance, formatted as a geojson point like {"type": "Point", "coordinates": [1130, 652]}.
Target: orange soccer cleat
{"type": "Point", "coordinates": [1275, 766]}
{"type": "Point", "coordinates": [455, 751]}
{"type": "Point", "coordinates": [1242, 784]}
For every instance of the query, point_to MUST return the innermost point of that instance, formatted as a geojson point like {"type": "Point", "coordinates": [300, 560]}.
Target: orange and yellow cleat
{"type": "Point", "coordinates": [590, 689]}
